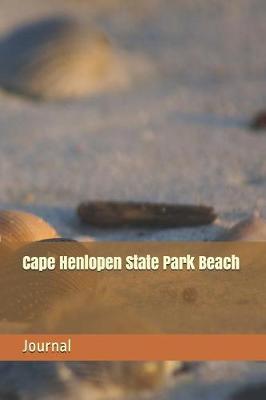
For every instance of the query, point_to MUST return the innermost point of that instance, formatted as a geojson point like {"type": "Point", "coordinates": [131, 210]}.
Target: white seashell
{"type": "Point", "coordinates": [58, 58]}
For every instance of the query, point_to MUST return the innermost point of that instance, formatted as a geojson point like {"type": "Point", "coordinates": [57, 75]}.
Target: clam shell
{"type": "Point", "coordinates": [57, 58]}
{"type": "Point", "coordinates": [28, 295]}
{"type": "Point", "coordinates": [250, 229]}
{"type": "Point", "coordinates": [17, 227]}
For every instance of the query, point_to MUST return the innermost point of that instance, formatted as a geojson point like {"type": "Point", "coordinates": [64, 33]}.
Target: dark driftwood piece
{"type": "Point", "coordinates": [118, 214]}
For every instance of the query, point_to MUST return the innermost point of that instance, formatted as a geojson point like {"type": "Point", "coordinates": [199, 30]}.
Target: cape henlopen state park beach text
{"type": "Point", "coordinates": [132, 262]}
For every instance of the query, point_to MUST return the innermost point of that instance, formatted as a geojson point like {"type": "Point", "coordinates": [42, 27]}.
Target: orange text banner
{"type": "Point", "coordinates": [136, 347]}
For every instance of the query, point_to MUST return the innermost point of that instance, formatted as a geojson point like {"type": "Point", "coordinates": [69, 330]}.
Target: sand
{"type": "Point", "coordinates": [178, 134]}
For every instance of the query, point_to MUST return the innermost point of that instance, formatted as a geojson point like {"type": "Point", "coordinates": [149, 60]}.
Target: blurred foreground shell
{"type": "Point", "coordinates": [250, 229]}
{"type": "Point", "coordinates": [57, 58]}
{"type": "Point", "coordinates": [28, 295]}
{"type": "Point", "coordinates": [136, 376]}
{"type": "Point", "coordinates": [115, 214]}
{"type": "Point", "coordinates": [17, 227]}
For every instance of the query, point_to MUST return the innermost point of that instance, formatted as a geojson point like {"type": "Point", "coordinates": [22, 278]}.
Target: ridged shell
{"type": "Point", "coordinates": [56, 58]}
{"type": "Point", "coordinates": [250, 229]}
{"type": "Point", "coordinates": [29, 295]}
{"type": "Point", "coordinates": [18, 227]}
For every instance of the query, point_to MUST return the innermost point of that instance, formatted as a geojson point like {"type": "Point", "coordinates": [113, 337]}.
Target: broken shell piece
{"type": "Point", "coordinates": [18, 227]}
{"type": "Point", "coordinates": [58, 58]}
{"type": "Point", "coordinates": [250, 229]}
{"type": "Point", "coordinates": [117, 214]}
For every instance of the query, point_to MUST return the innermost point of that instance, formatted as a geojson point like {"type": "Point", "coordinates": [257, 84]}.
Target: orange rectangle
{"type": "Point", "coordinates": [138, 347]}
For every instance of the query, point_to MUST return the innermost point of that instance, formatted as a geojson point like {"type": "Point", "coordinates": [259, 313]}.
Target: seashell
{"type": "Point", "coordinates": [58, 58]}
{"type": "Point", "coordinates": [18, 227]}
{"type": "Point", "coordinates": [250, 229]}
{"type": "Point", "coordinates": [116, 214]}
{"type": "Point", "coordinates": [28, 295]}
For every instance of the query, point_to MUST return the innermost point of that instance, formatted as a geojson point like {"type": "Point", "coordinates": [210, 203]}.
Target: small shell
{"type": "Point", "coordinates": [250, 229]}
{"type": "Point", "coordinates": [17, 227]}
{"type": "Point", "coordinates": [57, 58]}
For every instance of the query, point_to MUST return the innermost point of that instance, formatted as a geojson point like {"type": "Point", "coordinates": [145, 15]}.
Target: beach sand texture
{"type": "Point", "coordinates": [179, 133]}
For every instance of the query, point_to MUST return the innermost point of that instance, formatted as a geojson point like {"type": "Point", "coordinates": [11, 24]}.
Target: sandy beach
{"type": "Point", "coordinates": [180, 135]}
